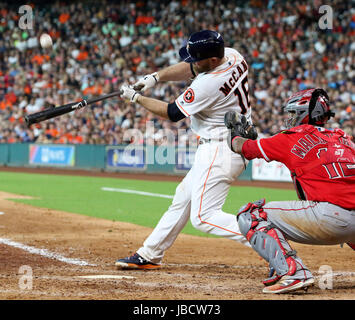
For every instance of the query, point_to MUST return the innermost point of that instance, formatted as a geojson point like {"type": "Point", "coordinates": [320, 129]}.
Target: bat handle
{"type": "Point", "coordinates": [138, 87]}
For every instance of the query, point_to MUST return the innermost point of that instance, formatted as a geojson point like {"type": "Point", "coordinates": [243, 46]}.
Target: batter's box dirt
{"type": "Point", "coordinates": [214, 269]}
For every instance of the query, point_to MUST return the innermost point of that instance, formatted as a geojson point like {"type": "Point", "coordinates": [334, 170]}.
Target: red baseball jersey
{"type": "Point", "coordinates": [321, 162]}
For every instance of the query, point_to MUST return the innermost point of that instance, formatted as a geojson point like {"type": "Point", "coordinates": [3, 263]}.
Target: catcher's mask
{"type": "Point", "coordinates": [309, 106]}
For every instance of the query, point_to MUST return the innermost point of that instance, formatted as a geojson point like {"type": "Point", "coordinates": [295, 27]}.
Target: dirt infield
{"type": "Point", "coordinates": [59, 248]}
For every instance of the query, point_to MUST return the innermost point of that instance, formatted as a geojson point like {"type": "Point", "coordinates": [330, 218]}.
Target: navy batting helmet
{"type": "Point", "coordinates": [202, 45]}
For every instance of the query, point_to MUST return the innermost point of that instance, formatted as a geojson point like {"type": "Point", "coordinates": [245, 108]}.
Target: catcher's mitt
{"type": "Point", "coordinates": [239, 126]}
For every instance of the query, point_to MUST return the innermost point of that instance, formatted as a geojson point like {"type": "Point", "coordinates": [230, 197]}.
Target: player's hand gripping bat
{"type": "Point", "coordinates": [60, 110]}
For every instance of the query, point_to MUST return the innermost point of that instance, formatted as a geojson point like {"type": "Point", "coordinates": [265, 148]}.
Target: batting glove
{"type": "Point", "coordinates": [147, 82]}
{"type": "Point", "coordinates": [129, 94]}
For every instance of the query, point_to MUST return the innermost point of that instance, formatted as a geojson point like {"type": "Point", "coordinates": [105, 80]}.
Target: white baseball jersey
{"type": "Point", "coordinates": [215, 92]}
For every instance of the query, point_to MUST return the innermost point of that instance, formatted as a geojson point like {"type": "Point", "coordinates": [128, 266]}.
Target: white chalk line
{"type": "Point", "coordinates": [343, 274]}
{"type": "Point", "coordinates": [45, 253]}
{"type": "Point", "coordinates": [105, 276]}
{"type": "Point", "coordinates": [142, 193]}
{"type": "Point", "coordinates": [44, 293]}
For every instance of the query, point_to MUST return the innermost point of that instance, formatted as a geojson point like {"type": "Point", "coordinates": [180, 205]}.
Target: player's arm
{"type": "Point", "coordinates": [160, 108]}
{"type": "Point", "coordinates": [242, 137]}
{"type": "Point", "coordinates": [260, 149]}
{"type": "Point", "coordinates": [242, 140]}
{"type": "Point", "coordinates": [246, 147]}
{"type": "Point", "coordinates": [181, 71]}
{"type": "Point", "coordinates": [237, 144]}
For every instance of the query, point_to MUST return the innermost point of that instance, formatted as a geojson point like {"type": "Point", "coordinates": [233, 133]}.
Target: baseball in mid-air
{"type": "Point", "coordinates": [45, 40]}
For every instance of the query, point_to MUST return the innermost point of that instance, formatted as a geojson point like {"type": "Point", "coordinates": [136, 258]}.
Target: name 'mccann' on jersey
{"type": "Point", "coordinates": [212, 94]}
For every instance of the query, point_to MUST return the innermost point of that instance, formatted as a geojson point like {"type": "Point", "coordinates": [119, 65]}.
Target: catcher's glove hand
{"type": "Point", "coordinates": [239, 127]}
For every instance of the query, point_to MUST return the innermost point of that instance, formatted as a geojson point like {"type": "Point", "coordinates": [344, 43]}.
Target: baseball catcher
{"type": "Point", "coordinates": [322, 165]}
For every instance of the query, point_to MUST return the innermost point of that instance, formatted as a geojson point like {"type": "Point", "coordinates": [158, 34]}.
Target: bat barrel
{"type": "Point", "coordinates": [29, 119]}
{"type": "Point", "coordinates": [58, 111]}
{"type": "Point", "coordinates": [48, 114]}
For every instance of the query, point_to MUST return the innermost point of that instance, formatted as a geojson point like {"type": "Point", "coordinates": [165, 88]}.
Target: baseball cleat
{"type": "Point", "coordinates": [135, 261]}
{"type": "Point", "coordinates": [286, 285]}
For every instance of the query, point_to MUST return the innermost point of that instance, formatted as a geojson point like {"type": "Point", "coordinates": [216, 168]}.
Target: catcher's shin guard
{"type": "Point", "coordinates": [267, 240]}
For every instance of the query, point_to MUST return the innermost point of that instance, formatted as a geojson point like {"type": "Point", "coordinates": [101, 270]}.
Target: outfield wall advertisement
{"type": "Point", "coordinates": [52, 155]}
{"type": "Point", "coordinates": [131, 158]}
{"type": "Point", "coordinates": [270, 171]}
{"type": "Point", "coordinates": [126, 157]}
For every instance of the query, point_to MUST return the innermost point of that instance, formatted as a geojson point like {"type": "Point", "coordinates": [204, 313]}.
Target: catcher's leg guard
{"type": "Point", "coordinates": [267, 240]}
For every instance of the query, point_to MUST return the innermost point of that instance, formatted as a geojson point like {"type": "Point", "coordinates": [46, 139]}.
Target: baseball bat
{"type": "Point", "coordinates": [58, 111]}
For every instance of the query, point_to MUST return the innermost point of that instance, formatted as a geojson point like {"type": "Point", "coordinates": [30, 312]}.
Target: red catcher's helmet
{"type": "Point", "coordinates": [309, 106]}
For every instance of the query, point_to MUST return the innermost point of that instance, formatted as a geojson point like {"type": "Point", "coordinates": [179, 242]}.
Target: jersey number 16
{"type": "Point", "coordinates": [337, 170]}
{"type": "Point", "coordinates": [243, 96]}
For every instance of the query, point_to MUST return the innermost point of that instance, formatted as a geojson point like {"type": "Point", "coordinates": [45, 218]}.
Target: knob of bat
{"type": "Point", "coordinates": [27, 120]}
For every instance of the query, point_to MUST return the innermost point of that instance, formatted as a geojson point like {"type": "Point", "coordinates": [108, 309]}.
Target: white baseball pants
{"type": "Point", "coordinates": [199, 197]}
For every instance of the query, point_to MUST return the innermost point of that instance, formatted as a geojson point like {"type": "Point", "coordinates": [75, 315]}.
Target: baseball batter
{"type": "Point", "coordinates": [322, 165]}
{"type": "Point", "coordinates": [220, 84]}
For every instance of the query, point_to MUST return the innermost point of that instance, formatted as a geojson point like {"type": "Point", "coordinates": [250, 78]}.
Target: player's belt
{"type": "Point", "coordinates": [204, 140]}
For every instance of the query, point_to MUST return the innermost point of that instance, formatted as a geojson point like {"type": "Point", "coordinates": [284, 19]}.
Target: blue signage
{"type": "Point", "coordinates": [129, 157]}
{"type": "Point", "coordinates": [52, 155]}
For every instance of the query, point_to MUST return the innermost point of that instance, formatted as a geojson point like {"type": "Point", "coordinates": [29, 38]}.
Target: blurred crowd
{"type": "Point", "coordinates": [100, 45]}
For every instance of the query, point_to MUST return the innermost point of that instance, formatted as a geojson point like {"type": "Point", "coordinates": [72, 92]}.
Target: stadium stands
{"type": "Point", "coordinates": [100, 45]}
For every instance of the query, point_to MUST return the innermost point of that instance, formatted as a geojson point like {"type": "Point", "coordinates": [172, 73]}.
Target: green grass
{"type": "Point", "coordinates": [83, 195]}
